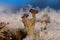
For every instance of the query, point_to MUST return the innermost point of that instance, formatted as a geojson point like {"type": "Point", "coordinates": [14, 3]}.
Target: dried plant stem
{"type": "Point", "coordinates": [37, 36]}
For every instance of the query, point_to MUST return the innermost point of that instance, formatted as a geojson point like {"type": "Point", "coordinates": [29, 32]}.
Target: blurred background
{"type": "Point", "coordinates": [15, 5]}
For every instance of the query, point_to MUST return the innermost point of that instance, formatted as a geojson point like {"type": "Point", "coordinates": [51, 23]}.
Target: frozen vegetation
{"type": "Point", "coordinates": [53, 28]}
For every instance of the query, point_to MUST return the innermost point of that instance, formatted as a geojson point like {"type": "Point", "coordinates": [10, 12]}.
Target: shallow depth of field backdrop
{"type": "Point", "coordinates": [12, 10]}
